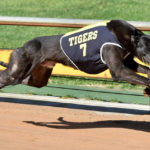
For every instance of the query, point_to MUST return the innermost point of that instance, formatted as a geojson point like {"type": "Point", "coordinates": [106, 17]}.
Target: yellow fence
{"type": "Point", "coordinates": [59, 69]}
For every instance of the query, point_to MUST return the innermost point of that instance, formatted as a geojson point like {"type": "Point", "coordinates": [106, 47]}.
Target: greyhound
{"type": "Point", "coordinates": [32, 64]}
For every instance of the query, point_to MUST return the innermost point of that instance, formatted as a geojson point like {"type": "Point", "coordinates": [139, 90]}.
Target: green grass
{"type": "Point", "coordinates": [95, 9]}
{"type": "Point", "coordinates": [72, 91]}
{"type": "Point", "coordinates": [10, 39]}
{"type": "Point", "coordinates": [95, 83]}
{"type": "Point", "coordinates": [14, 36]}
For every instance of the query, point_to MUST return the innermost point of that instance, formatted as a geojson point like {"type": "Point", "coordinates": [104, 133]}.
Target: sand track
{"type": "Point", "coordinates": [33, 127]}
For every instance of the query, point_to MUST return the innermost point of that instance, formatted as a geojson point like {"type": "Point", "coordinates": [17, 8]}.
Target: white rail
{"type": "Point", "coordinates": [59, 22]}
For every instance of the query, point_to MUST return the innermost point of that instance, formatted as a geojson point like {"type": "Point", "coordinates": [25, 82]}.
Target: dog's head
{"type": "Point", "coordinates": [143, 48]}
{"type": "Point", "coordinates": [131, 39]}
{"type": "Point", "coordinates": [124, 33]}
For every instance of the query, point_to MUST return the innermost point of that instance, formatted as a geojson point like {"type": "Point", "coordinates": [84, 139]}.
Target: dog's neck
{"type": "Point", "coordinates": [124, 32]}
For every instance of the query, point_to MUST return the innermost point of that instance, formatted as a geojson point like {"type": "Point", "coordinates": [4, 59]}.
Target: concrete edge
{"type": "Point", "coordinates": [76, 101]}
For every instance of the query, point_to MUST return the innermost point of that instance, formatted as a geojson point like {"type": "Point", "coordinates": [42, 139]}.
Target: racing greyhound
{"type": "Point", "coordinates": [97, 48]}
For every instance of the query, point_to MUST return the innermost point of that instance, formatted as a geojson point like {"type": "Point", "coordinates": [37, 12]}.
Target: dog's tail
{"type": "Point", "coordinates": [3, 64]}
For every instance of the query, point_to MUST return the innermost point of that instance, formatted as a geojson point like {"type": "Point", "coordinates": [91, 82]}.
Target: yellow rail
{"type": "Point", "coordinates": [60, 69]}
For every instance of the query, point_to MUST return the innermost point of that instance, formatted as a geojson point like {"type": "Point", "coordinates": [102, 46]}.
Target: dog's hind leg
{"type": "Point", "coordinates": [15, 71]}
{"type": "Point", "coordinates": [39, 77]}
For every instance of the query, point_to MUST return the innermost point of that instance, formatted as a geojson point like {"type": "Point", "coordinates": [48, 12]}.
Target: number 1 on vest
{"type": "Point", "coordinates": [83, 47]}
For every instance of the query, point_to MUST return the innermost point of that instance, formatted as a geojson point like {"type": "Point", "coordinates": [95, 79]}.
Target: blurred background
{"type": "Point", "coordinates": [16, 36]}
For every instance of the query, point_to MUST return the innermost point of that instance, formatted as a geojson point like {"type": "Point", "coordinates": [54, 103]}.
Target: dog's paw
{"type": "Point", "coordinates": [147, 92]}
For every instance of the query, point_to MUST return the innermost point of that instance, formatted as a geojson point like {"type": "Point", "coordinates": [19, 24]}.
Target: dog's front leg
{"type": "Point", "coordinates": [129, 62]}
{"type": "Point", "coordinates": [145, 70]}
{"type": "Point", "coordinates": [136, 67]}
{"type": "Point", "coordinates": [113, 57]}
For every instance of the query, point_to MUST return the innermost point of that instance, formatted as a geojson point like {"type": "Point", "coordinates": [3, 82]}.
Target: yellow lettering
{"type": "Point", "coordinates": [80, 39]}
{"type": "Point", "coordinates": [90, 36]}
{"type": "Point", "coordinates": [95, 34]}
{"type": "Point", "coordinates": [85, 39]}
{"type": "Point", "coordinates": [71, 41]}
{"type": "Point", "coordinates": [84, 48]}
{"type": "Point", "coordinates": [76, 40]}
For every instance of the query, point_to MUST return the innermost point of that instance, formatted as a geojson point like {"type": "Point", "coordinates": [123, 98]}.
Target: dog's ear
{"type": "Point", "coordinates": [138, 33]}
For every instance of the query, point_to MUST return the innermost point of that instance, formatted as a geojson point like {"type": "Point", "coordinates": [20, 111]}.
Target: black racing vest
{"type": "Point", "coordinates": [84, 47]}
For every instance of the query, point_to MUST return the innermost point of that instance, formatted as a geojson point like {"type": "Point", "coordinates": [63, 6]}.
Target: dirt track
{"type": "Point", "coordinates": [31, 127]}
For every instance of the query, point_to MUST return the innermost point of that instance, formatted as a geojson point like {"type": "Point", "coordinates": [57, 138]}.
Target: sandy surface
{"type": "Point", "coordinates": [31, 127]}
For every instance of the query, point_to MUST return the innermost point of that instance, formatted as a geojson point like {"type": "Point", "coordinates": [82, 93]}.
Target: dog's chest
{"type": "Point", "coordinates": [84, 47]}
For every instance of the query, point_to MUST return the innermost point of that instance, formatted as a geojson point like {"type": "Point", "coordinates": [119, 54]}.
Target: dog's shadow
{"type": "Point", "coordinates": [63, 124]}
